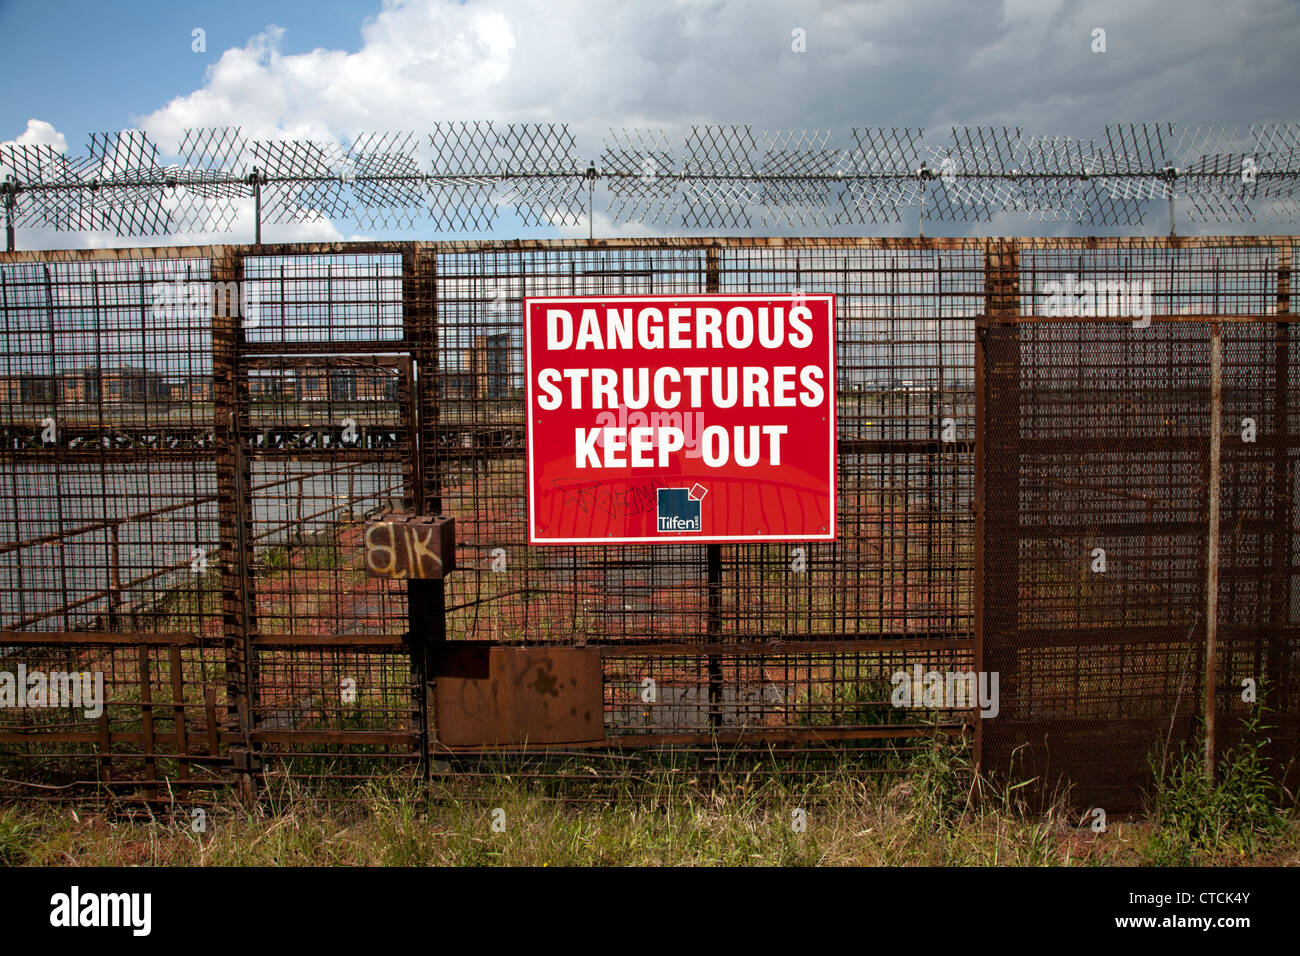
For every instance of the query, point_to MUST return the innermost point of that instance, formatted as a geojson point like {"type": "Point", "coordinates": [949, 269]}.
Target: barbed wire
{"type": "Point", "coordinates": [461, 176]}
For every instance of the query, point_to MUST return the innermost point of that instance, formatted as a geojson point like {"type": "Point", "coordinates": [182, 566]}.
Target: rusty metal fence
{"type": "Point", "coordinates": [1138, 471]}
{"type": "Point", "coordinates": [192, 442]}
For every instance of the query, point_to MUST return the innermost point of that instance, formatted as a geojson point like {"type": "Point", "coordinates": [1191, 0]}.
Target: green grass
{"type": "Point", "coordinates": [935, 813]}
{"type": "Point", "coordinates": [862, 702]}
{"type": "Point", "coordinates": [1238, 815]}
{"type": "Point", "coordinates": [18, 829]}
{"type": "Point", "coordinates": [274, 559]}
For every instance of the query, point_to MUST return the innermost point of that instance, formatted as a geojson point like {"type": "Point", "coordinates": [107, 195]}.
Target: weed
{"type": "Point", "coordinates": [16, 833]}
{"type": "Point", "coordinates": [929, 808]}
{"type": "Point", "coordinates": [1237, 814]}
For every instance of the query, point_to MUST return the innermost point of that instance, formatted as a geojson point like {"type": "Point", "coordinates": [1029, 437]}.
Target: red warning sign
{"type": "Point", "coordinates": [663, 419]}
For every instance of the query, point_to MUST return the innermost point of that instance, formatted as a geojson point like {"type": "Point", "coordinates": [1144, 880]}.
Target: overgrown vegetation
{"type": "Point", "coordinates": [675, 812]}
{"type": "Point", "coordinates": [1237, 815]}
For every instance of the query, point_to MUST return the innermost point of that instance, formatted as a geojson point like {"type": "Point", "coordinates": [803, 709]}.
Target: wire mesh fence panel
{"type": "Point", "coordinates": [462, 176]}
{"type": "Point", "coordinates": [1100, 481]}
{"type": "Point", "coordinates": [505, 590]}
{"type": "Point", "coordinates": [193, 444]}
{"type": "Point", "coordinates": [109, 515]}
{"type": "Point", "coordinates": [325, 386]}
{"type": "Point", "coordinates": [1259, 619]}
{"type": "Point", "coordinates": [902, 567]}
{"type": "Point", "coordinates": [902, 563]}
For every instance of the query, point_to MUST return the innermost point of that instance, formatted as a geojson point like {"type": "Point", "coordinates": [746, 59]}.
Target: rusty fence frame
{"type": "Point", "coordinates": [1142, 482]}
{"type": "Point", "coordinates": [444, 442]}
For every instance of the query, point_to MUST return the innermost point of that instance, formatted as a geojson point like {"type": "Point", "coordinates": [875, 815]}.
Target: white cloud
{"type": "Point", "coordinates": [416, 63]}
{"type": "Point", "coordinates": [41, 133]}
{"type": "Point", "coordinates": [677, 62]}
{"type": "Point", "coordinates": [673, 63]}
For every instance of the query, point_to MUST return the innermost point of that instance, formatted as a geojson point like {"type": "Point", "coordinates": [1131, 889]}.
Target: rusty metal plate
{"type": "Point", "coordinates": [491, 696]}
{"type": "Point", "coordinates": [410, 546]}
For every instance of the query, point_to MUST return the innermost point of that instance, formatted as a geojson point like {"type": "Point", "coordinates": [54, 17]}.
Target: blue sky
{"type": "Point", "coordinates": [95, 66]}
{"type": "Point", "coordinates": [330, 69]}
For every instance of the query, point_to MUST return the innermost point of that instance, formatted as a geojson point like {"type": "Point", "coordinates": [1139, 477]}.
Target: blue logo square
{"type": "Point", "coordinates": [677, 513]}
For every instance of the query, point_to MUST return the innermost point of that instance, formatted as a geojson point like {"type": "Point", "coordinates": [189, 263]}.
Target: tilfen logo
{"type": "Point", "coordinates": [679, 509]}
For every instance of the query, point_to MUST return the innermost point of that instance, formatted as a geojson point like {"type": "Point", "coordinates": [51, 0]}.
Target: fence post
{"type": "Point", "coordinates": [1283, 504]}
{"type": "Point", "coordinates": [115, 581]}
{"type": "Point", "coordinates": [1212, 549]}
{"type": "Point", "coordinates": [234, 488]}
{"type": "Point", "coordinates": [426, 600]}
{"type": "Point", "coordinates": [1283, 511]}
{"type": "Point", "coordinates": [996, 500]}
{"type": "Point", "coordinates": [714, 556]}
{"type": "Point", "coordinates": [257, 179]}
{"type": "Point", "coordinates": [1169, 174]}
{"type": "Point", "coordinates": [10, 189]}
